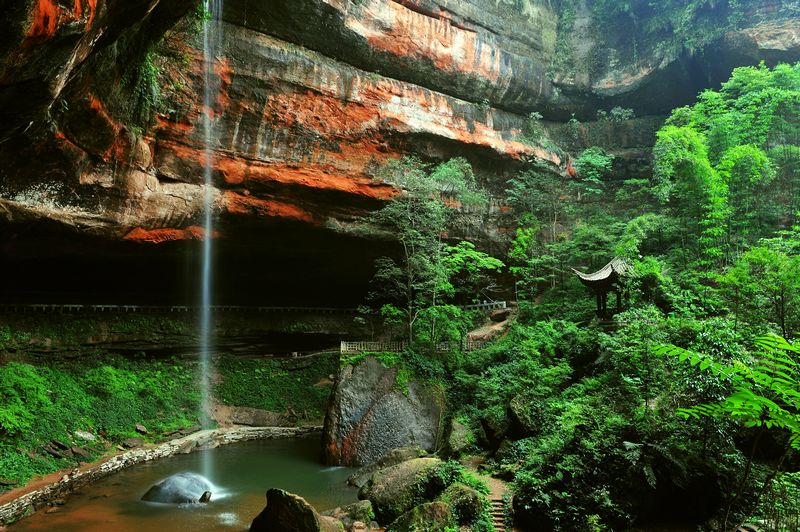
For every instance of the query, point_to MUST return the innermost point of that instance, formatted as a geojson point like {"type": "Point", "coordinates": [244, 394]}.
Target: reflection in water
{"type": "Point", "coordinates": [241, 474]}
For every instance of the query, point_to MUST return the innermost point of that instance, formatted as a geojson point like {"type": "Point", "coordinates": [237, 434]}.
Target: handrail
{"type": "Point", "coordinates": [361, 346]}
{"type": "Point", "coordinates": [7, 308]}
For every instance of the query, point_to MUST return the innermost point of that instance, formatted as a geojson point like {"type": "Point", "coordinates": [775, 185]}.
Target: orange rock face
{"type": "Point", "coordinates": [47, 16]}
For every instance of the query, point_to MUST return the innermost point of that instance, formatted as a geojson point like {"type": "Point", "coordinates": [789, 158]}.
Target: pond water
{"type": "Point", "coordinates": [241, 473]}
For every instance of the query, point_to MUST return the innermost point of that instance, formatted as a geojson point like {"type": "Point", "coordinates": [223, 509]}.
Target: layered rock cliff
{"type": "Point", "coordinates": [101, 139]}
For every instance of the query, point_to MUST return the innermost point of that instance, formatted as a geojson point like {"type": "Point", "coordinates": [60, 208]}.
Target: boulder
{"type": "Point", "coordinates": [287, 512]}
{"type": "Point", "coordinates": [369, 416]}
{"type": "Point", "coordinates": [132, 443]}
{"type": "Point", "coordinates": [393, 457]}
{"type": "Point", "coordinates": [465, 503]}
{"type": "Point", "coordinates": [352, 515]}
{"type": "Point", "coordinates": [527, 416]}
{"type": "Point", "coordinates": [181, 488]}
{"type": "Point", "coordinates": [255, 417]}
{"type": "Point", "coordinates": [427, 516]}
{"type": "Point", "coordinates": [84, 435]}
{"type": "Point", "coordinates": [396, 489]}
{"type": "Point", "coordinates": [459, 438]}
{"type": "Point", "coordinates": [500, 315]}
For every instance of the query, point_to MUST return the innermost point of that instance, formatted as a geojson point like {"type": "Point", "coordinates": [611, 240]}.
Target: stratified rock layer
{"type": "Point", "coordinates": [315, 96]}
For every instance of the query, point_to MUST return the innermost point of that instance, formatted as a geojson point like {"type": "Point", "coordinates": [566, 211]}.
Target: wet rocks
{"type": "Point", "coordinates": [181, 488]}
{"type": "Point", "coordinates": [353, 516]}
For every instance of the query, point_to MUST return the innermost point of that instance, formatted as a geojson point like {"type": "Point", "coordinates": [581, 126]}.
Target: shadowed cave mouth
{"type": "Point", "coordinates": [265, 264]}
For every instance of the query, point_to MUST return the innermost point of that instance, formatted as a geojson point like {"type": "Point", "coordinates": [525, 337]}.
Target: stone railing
{"type": "Point", "coordinates": [25, 503]}
{"type": "Point", "coordinates": [486, 305]}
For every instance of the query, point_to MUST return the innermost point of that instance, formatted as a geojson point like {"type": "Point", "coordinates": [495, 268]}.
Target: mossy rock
{"type": "Point", "coordinates": [360, 511]}
{"type": "Point", "coordinates": [466, 504]}
{"type": "Point", "coordinates": [393, 457]}
{"type": "Point", "coordinates": [459, 439]}
{"type": "Point", "coordinates": [427, 517]}
{"type": "Point", "coordinates": [397, 489]}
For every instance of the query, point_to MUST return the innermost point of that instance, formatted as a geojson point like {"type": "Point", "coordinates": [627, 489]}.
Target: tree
{"type": "Point", "coordinates": [592, 166]}
{"type": "Point", "coordinates": [726, 166]}
{"type": "Point", "coordinates": [418, 217]}
{"type": "Point", "coordinates": [764, 286]}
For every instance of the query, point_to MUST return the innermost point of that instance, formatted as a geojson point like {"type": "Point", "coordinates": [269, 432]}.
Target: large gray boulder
{"type": "Point", "coordinates": [369, 415]}
{"type": "Point", "coordinates": [181, 488]}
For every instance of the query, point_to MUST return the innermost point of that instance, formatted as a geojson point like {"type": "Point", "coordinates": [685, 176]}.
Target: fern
{"type": "Point", "coordinates": [765, 394]}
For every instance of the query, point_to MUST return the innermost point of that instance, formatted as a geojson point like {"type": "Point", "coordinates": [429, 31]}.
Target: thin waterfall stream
{"type": "Point", "coordinates": [212, 44]}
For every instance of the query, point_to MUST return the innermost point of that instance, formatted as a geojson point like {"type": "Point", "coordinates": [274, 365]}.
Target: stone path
{"type": "Point", "coordinates": [497, 490]}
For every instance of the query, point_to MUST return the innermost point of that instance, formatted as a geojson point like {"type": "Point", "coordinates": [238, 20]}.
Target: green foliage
{"type": "Point", "coordinates": [22, 392]}
{"type": "Point", "coordinates": [592, 165]}
{"type": "Point", "coordinates": [780, 505]}
{"type": "Point", "coordinates": [563, 58]}
{"type": "Point", "coordinates": [766, 391]}
{"type": "Point", "coordinates": [764, 286]}
{"type": "Point", "coordinates": [725, 157]}
{"type": "Point", "coordinates": [142, 81]}
{"type": "Point", "coordinates": [533, 131]}
{"type": "Point", "coordinates": [429, 272]}
{"type": "Point", "coordinates": [298, 388]}
{"type": "Point", "coordinates": [616, 114]}
{"type": "Point", "coordinates": [669, 27]}
{"type": "Point", "coordinates": [108, 397]}
{"type": "Point", "coordinates": [483, 106]}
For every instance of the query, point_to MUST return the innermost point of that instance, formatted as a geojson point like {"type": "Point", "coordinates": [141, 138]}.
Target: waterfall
{"type": "Point", "coordinates": [212, 41]}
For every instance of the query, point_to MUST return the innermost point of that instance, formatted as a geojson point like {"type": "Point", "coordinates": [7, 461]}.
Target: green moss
{"type": "Point", "coordinates": [301, 386]}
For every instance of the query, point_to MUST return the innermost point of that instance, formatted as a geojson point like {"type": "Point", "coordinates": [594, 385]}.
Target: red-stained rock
{"type": "Point", "coordinates": [368, 416]}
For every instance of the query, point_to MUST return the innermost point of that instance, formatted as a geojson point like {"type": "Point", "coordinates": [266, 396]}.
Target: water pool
{"type": "Point", "coordinates": [242, 473]}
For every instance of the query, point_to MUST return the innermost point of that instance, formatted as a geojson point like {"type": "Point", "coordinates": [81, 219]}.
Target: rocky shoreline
{"type": "Point", "coordinates": [31, 501]}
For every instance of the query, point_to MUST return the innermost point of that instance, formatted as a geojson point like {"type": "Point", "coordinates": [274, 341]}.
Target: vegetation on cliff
{"type": "Point", "coordinates": [592, 423]}
{"type": "Point", "coordinates": [61, 377]}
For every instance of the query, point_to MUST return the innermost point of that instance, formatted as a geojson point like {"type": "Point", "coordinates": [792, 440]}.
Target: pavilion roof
{"type": "Point", "coordinates": [618, 266]}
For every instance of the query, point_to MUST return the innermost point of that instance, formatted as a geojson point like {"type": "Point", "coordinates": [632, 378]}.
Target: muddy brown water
{"type": "Point", "coordinates": [241, 473]}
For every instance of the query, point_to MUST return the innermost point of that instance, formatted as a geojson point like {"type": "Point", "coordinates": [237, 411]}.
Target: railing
{"type": "Point", "coordinates": [9, 308]}
{"type": "Point", "coordinates": [372, 347]}
{"type": "Point", "coordinates": [486, 305]}
{"type": "Point", "coordinates": [131, 309]}
{"type": "Point", "coordinates": [358, 347]}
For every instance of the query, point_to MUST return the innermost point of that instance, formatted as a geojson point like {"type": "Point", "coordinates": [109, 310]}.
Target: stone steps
{"type": "Point", "coordinates": [498, 514]}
